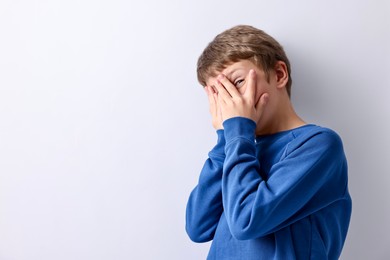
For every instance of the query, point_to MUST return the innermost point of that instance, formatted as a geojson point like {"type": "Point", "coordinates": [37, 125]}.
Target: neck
{"type": "Point", "coordinates": [285, 118]}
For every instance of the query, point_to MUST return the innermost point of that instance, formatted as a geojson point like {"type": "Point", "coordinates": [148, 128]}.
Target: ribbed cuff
{"type": "Point", "coordinates": [221, 136]}
{"type": "Point", "coordinates": [219, 148]}
{"type": "Point", "coordinates": [239, 127]}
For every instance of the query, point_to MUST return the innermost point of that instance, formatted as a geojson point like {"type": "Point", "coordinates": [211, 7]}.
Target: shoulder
{"type": "Point", "coordinates": [316, 133]}
{"type": "Point", "coordinates": [316, 138]}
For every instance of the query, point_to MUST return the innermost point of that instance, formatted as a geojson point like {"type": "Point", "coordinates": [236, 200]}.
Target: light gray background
{"type": "Point", "coordinates": [104, 128]}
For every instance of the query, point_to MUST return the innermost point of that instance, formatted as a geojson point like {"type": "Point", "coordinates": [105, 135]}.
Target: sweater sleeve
{"type": "Point", "coordinates": [311, 176]}
{"type": "Point", "coordinates": [204, 207]}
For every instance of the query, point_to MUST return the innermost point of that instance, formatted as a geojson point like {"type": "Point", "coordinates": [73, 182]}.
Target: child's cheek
{"type": "Point", "coordinates": [242, 90]}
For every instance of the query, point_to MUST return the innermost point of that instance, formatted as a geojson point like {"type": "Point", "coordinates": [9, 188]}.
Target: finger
{"type": "Point", "coordinates": [230, 88]}
{"type": "Point", "coordinates": [250, 91]}
{"type": "Point", "coordinates": [214, 92]}
{"type": "Point", "coordinates": [212, 103]}
{"type": "Point", "coordinates": [218, 109]}
{"type": "Point", "coordinates": [213, 89]}
{"type": "Point", "coordinates": [223, 94]}
{"type": "Point", "coordinates": [206, 90]}
{"type": "Point", "coordinates": [209, 91]}
{"type": "Point", "coordinates": [263, 100]}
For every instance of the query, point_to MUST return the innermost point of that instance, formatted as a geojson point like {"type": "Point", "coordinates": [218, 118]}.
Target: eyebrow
{"type": "Point", "coordinates": [231, 73]}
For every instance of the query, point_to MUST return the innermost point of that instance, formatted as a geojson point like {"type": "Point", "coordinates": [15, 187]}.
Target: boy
{"type": "Point", "coordinates": [273, 187]}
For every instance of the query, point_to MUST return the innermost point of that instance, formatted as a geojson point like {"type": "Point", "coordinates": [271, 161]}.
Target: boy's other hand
{"type": "Point", "coordinates": [214, 108]}
{"type": "Point", "coordinates": [233, 104]}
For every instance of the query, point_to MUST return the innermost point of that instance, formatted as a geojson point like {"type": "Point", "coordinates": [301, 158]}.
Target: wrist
{"type": "Point", "coordinates": [219, 149]}
{"type": "Point", "coordinates": [218, 126]}
{"type": "Point", "coordinates": [239, 127]}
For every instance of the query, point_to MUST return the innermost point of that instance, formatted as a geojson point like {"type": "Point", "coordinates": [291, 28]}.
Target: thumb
{"type": "Point", "coordinates": [261, 103]}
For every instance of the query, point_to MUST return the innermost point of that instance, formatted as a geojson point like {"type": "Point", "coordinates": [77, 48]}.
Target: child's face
{"type": "Point", "coordinates": [238, 73]}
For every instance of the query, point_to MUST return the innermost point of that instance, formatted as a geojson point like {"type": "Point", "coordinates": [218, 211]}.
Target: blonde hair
{"type": "Point", "coordinates": [241, 42]}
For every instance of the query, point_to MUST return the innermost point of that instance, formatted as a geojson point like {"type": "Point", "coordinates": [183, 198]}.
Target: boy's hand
{"type": "Point", "coordinates": [214, 108]}
{"type": "Point", "coordinates": [233, 104]}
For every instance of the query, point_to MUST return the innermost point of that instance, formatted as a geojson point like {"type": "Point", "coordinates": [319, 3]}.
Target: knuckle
{"type": "Point", "coordinates": [240, 100]}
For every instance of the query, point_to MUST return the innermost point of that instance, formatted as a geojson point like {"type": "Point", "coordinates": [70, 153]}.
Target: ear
{"type": "Point", "coordinates": [281, 74]}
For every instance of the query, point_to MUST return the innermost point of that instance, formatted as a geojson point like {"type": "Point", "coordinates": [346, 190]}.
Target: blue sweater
{"type": "Point", "coordinates": [280, 196]}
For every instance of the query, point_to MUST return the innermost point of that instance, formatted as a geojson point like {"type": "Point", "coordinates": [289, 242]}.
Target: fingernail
{"type": "Point", "coordinates": [266, 98]}
{"type": "Point", "coordinates": [220, 76]}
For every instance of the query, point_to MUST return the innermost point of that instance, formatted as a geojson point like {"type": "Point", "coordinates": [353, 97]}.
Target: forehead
{"type": "Point", "coordinates": [231, 69]}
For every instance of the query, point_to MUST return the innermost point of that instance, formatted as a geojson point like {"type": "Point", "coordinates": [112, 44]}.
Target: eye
{"type": "Point", "coordinates": [238, 83]}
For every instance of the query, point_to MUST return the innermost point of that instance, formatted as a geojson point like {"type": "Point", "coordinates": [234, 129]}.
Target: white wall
{"type": "Point", "coordinates": [103, 127]}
